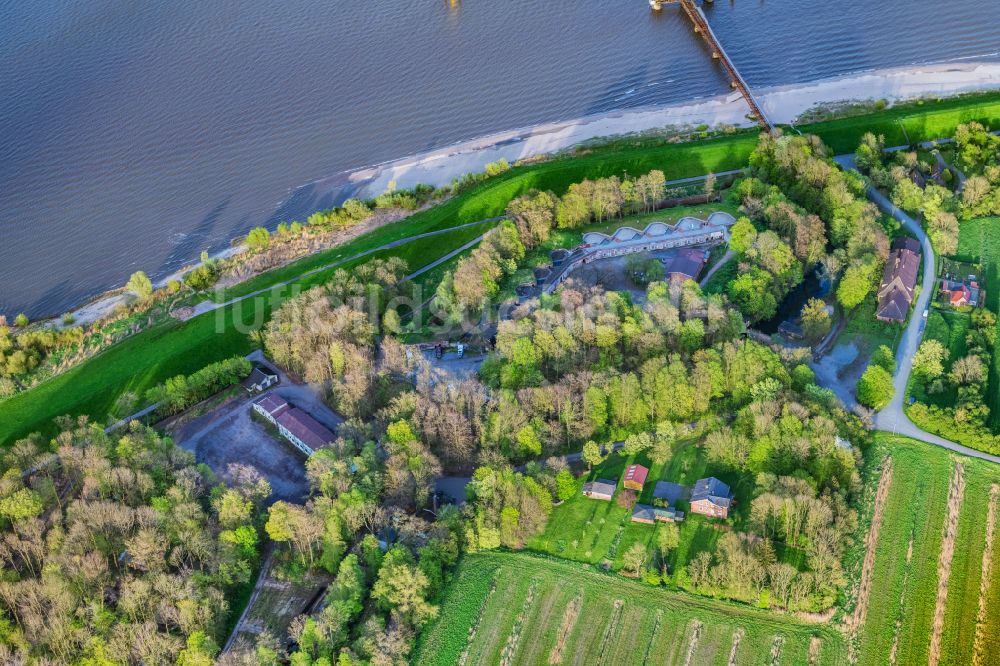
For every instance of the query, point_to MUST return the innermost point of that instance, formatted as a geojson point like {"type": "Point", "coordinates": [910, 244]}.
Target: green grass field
{"type": "Point", "coordinates": [906, 566]}
{"type": "Point", "coordinates": [520, 609]}
{"type": "Point", "coordinates": [909, 123]}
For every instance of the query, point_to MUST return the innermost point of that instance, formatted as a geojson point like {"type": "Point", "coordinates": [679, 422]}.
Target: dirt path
{"type": "Point", "coordinates": [565, 629]}
{"type": "Point", "coordinates": [978, 658]}
{"type": "Point", "coordinates": [955, 494]}
{"type": "Point", "coordinates": [692, 645]}
{"type": "Point", "coordinates": [815, 647]}
{"type": "Point", "coordinates": [857, 619]}
{"type": "Point", "coordinates": [735, 649]}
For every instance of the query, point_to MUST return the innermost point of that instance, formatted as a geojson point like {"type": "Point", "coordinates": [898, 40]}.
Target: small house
{"type": "Point", "coordinates": [711, 497]}
{"type": "Point", "coordinates": [635, 477]}
{"type": "Point", "coordinates": [602, 489]}
{"type": "Point", "coordinates": [686, 265]}
{"type": "Point", "coordinates": [259, 380]}
{"type": "Point", "coordinates": [643, 513]}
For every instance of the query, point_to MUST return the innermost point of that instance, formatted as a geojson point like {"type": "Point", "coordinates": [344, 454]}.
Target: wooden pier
{"type": "Point", "coordinates": [736, 80]}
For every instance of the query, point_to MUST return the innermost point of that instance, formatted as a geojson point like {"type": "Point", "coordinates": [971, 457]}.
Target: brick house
{"type": "Point", "coordinates": [711, 497]}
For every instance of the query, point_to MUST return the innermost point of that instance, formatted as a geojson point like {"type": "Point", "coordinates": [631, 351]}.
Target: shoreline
{"type": "Point", "coordinates": [784, 104]}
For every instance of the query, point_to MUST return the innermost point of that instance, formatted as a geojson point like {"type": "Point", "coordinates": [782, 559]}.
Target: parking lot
{"type": "Point", "coordinates": [228, 434]}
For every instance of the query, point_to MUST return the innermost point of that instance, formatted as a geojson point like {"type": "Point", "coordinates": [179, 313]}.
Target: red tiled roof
{"type": "Point", "coordinates": [636, 473]}
{"type": "Point", "coordinates": [960, 294]}
{"type": "Point", "coordinates": [305, 427]}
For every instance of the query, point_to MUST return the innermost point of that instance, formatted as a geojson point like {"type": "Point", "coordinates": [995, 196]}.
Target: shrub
{"type": "Point", "coordinates": [875, 388]}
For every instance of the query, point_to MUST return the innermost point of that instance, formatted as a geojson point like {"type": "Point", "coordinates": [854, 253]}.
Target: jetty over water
{"type": "Point", "coordinates": [702, 27]}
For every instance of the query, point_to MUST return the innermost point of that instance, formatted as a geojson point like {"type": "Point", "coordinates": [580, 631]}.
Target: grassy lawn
{"type": "Point", "coordinates": [909, 123]}
{"type": "Point", "coordinates": [522, 609]}
{"type": "Point", "coordinates": [599, 532]}
{"type": "Point", "coordinates": [981, 239]}
{"type": "Point", "coordinates": [173, 348]}
{"type": "Point", "coordinates": [905, 574]}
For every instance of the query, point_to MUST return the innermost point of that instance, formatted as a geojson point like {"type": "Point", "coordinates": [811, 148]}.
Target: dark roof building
{"type": "Point", "coordinates": [258, 380]}
{"type": "Point", "coordinates": [643, 513]}
{"type": "Point", "coordinates": [670, 492]}
{"type": "Point", "coordinates": [304, 430]}
{"type": "Point", "coordinates": [711, 497]}
{"type": "Point", "coordinates": [603, 489]}
{"type": "Point", "coordinates": [685, 265]}
{"type": "Point", "coordinates": [899, 280]}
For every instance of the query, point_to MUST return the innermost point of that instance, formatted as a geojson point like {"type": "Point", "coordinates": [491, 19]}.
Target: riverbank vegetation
{"type": "Point", "coordinates": [33, 410]}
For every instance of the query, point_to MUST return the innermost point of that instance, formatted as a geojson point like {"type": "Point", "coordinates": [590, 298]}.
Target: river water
{"type": "Point", "coordinates": [134, 135]}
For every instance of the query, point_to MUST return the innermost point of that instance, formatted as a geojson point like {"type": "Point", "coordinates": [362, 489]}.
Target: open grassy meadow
{"type": "Point", "coordinates": [513, 608]}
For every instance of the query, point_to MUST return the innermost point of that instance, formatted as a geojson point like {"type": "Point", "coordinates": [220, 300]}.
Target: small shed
{"type": "Point", "coordinates": [644, 513]}
{"type": "Point", "coordinates": [635, 477]}
{"type": "Point", "coordinates": [259, 380]}
{"type": "Point", "coordinates": [602, 489]}
{"type": "Point", "coordinates": [558, 256]}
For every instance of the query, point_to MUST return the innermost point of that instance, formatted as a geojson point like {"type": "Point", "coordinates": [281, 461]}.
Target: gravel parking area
{"type": "Point", "coordinates": [228, 434]}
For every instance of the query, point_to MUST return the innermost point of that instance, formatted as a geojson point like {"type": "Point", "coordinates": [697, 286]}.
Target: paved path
{"type": "Point", "coordinates": [265, 567]}
{"type": "Point", "coordinates": [715, 269]}
{"type": "Point", "coordinates": [893, 417]}
{"type": "Point", "coordinates": [209, 306]}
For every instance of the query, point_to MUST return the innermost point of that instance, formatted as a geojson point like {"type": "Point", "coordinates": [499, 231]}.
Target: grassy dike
{"type": "Point", "coordinates": [173, 348]}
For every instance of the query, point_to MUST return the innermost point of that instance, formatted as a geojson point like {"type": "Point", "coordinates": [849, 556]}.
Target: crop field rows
{"type": "Point", "coordinates": [936, 598]}
{"type": "Point", "coordinates": [506, 608]}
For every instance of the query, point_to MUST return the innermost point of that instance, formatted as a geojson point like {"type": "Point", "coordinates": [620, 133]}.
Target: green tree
{"type": "Point", "coordinates": [258, 239]}
{"type": "Point", "coordinates": [884, 357]}
{"type": "Point", "coordinates": [928, 362]}
{"type": "Point", "coordinates": [854, 286]}
{"type": "Point", "coordinates": [592, 454]}
{"type": "Point", "coordinates": [742, 235]}
{"type": "Point", "coordinates": [634, 559]}
{"type": "Point", "coordinates": [875, 387]}
{"type": "Point", "coordinates": [140, 285]}
{"type": "Point", "coordinates": [528, 442]}
{"type": "Point", "coordinates": [21, 320]}
{"type": "Point", "coordinates": [566, 485]}
{"type": "Point", "coordinates": [815, 319]}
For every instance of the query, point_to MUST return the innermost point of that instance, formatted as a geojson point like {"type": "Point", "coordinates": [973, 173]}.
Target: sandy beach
{"type": "Point", "coordinates": [783, 104]}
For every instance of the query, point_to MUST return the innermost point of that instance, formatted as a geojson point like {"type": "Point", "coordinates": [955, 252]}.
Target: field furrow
{"type": "Point", "coordinates": [979, 656]}
{"type": "Point", "coordinates": [955, 494]}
